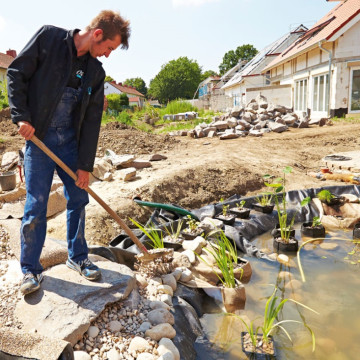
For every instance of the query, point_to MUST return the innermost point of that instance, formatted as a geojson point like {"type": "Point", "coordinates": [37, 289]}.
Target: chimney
{"type": "Point", "coordinates": [120, 83]}
{"type": "Point", "coordinates": [113, 82]}
{"type": "Point", "coordinates": [11, 53]}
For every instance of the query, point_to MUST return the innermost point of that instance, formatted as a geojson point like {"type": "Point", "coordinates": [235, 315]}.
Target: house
{"type": "Point", "coordinates": [5, 61]}
{"type": "Point", "coordinates": [135, 97]}
{"type": "Point", "coordinates": [251, 76]}
{"type": "Point", "coordinates": [207, 86]}
{"type": "Point", "coordinates": [323, 65]}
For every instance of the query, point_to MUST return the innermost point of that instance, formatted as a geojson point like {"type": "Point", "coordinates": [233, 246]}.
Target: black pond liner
{"type": "Point", "coordinates": [190, 340]}
{"type": "Point", "coordinates": [356, 231]}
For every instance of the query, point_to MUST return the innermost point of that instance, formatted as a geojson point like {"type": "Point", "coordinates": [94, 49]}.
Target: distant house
{"type": "Point", "coordinates": [135, 97]}
{"type": "Point", "coordinates": [207, 86]}
{"type": "Point", "coordinates": [5, 61]}
{"type": "Point", "coordinates": [323, 65]}
{"type": "Point", "coordinates": [250, 75]}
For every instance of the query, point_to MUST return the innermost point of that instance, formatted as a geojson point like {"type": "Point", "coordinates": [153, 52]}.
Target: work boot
{"type": "Point", "coordinates": [85, 268]}
{"type": "Point", "coordinates": [30, 283]}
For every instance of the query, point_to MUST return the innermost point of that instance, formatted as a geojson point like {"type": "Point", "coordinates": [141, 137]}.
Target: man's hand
{"type": "Point", "coordinates": [82, 179]}
{"type": "Point", "coordinates": [26, 130]}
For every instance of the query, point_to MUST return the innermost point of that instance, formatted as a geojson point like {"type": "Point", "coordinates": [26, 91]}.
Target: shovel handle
{"type": "Point", "coordinates": [111, 212]}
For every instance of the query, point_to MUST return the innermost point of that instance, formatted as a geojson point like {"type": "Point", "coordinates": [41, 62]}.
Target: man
{"type": "Point", "coordinates": [56, 91]}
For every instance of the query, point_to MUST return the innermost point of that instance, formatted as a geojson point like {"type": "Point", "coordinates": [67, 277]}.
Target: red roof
{"type": "Point", "coordinates": [5, 60]}
{"type": "Point", "coordinates": [326, 29]}
{"type": "Point", "coordinates": [134, 99]}
{"type": "Point", "coordinates": [126, 89]}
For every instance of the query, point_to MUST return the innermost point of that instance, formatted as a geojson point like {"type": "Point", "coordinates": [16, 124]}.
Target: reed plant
{"type": "Point", "coordinates": [155, 235]}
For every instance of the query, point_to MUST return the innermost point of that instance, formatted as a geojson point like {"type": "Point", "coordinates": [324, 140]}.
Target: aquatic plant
{"type": "Point", "coordinates": [226, 258]}
{"type": "Point", "coordinates": [325, 196]}
{"type": "Point", "coordinates": [192, 224]}
{"type": "Point", "coordinates": [264, 199]}
{"type": "Point", "coordinates": [155, 235]}
{"type": "Point", "coordinates": [225, 208]}
{"type": "Point", "coordinates": [174, 233]}
{"type": "Point", "coordinates": [269, 321]}
{"type": "Point", "coordinates": [240, 205]}
{"type": "Point", "coordinates": [316, 219]}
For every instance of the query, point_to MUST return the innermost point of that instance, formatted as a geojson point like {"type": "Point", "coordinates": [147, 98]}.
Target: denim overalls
{"type": "Point", "coordinates": [39, 170]}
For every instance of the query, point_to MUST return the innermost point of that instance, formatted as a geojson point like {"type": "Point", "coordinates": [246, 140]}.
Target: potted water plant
{"type": "Point", "coordinates": [192, 230]}
{"type": "Point", "coordinates": [228, 271]}
{"type": "Point", "coordinates": [240, 210]}
{"type": "Point", "coordinates": [225, 216]}
{"type": "Point", "coordinates": [284, 239]}
{"type": "Point", "coordinates": [326, 197]}
{"type": "Point", "coordinates": [173, 232]}
{"type": "Point", "coordinates": [313, 228]}
{"type": "Point", "coordinates": [154, 236]}
{"type": "Point", "coordinates": [264, 203]}
{"type": "Point", "coordinates": [257, 342]}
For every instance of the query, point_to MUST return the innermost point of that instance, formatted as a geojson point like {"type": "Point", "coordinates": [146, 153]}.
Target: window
{"type": "Point", "coordinates": [320, 93]}
{"type": "Point", "coordinates": [355, 91]}
{"type": "Point", "coordinates": [300, 95]}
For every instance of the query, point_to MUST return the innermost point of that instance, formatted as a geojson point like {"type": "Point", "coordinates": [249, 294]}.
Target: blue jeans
{"type": "Point", "coordinates": [39, 172]}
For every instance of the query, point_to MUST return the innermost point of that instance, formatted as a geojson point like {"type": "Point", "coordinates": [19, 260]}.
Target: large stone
{"type": "Point", "coordinates": [276, 127]}
{"type": "Point", "coordinates": [160, 316]}
{"type": "Point", "coordinates": [236, 111]}
{"type": "Point", "coordinates": [262, 101]}
{"type": "Point", "coordinates": [9, 159]}
{"type": "Point", "coordinates": [139, 164]}
{"type": "Point", "coordinates": [161, 331]}
{"type": "Point", "coordinates": [247, 117]}
{"type": "Point", "coordinates": [232, 122]}
{"type": "Point", "coordinates": [169, 280]}
{"type": "Point", "coordinates": [255, 133]}
{"type": "Point", "coordinates": [101, 167]}
{"type": "Point", "coordinates": [67, 302]}
{"type": "Point", "coordinates": [193, 245]}
{"type": "Point", "coordinates": [228, 136]}
{"type": "Point", "coordinates": [127, 174]}
{"type": "Point", "coordinates": [157, 157]}
{"type": "Point", "coordinates": [139, 344]}
{"type": "Point", "coordinates": [289, 119]}
{"type": "Point", "coordinates": [166, 345]}
{"type": "Point", "coordinates": [220, 125]}
{"type": "Point", "coordinates": [116, 160]}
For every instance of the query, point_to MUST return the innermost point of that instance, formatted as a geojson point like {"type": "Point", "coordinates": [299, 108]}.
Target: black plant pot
{"type": "Point", "coordinates": [257, 355]}
{"type": "Point", "coordinates": [277, 233]}
{"type": "Point", "coordinates": [191, 236]}
{"type": "Point", "coordinates": [243, 213]}
{"type": "Point", "coordinates": [227, 220]}
{"type": "Point", "coordinates": [266, 209]}
{"type": "Point", "coordinates": [337, 200]}
{"type": "Point", "coordinates": [356, 231]}
{"type": "Point", "coordinates": [312, 231]}
{"type": "Point", "coordinates": [280, 246]}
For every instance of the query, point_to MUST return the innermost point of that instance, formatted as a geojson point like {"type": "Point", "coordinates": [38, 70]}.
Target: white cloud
{"type": "Point", "coordinates": [178, 3]}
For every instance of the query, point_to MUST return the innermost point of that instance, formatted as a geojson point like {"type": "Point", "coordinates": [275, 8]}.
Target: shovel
{"type": "Point", "coordinates": [146, 255]}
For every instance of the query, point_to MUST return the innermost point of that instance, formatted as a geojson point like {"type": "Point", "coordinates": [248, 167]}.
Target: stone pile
{"type": "Point", "coordinates": [258, 117]}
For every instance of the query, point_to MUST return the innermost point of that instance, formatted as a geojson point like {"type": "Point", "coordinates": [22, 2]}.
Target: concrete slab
{"type": "Point", "coordinates": [351, 162]}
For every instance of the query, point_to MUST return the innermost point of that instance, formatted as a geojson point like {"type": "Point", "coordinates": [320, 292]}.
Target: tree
{"type": "Point", "coordinates": [138, 84]}
{"type": "Point", "coordinates": [231, 58]}
{"type": "Point", "coordinates": [108, 78]}
{"type": "Point", "coordinates": [207, 74]}
{"type": "Point", "coordinates": [117, 101]}
{"type": "Point", "coordinates": [176, 79]}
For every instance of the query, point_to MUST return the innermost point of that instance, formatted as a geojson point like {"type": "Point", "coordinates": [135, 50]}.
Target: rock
{"type": "Point", "coordinates": [159, 305]}
{"type": "Point", "coordinates": [235, 111]}
{"type": "Point", "coordinates": [329, 246]}
{"type": "Point", "coordinates": [167, 356]}
{"type": "Point", "coordinates": [252, 105]}
{"type": "Point", "coordinates": [170, 280]}
{"type": "Point", "coordinates": [220, 125]}
{"type": "Point", "coordinates": [108, 176]}
{"type": "Point", "coordinates": [139, 164]}
{"type": "Point", "coordinates": [211, 134]}
{"type": "Point", "coordinates": [93, 331]}
{"type": "Point", "coordinates": [166, 345]}
{"type": "Point", "coordinates": [289, 119]}
{"type": "Point", "coordinates": [232, 122]}
{"type": "Point", "coordinates": [262, 101]}
{"type": "Point", "coordinates": [283, 259]}
{"type": "Point", "coordinates": [139, 344]}
{"type": "Point", "coordinates": [255, 133]}
{"type": "Point", "coordinates": [160, 316]}
{"type": "Point", "coordinates": [166, 298]}
{"type": "Point", "coordinates": [56, 202]}
{"type": "Point", "coordinates": [146, 356]}
{"type": "Point", "coordinates": [115, 326]}
{"type": "Point", "coordinates": [244, 123]}
{"type": "Point", "coordinates": [199, 133]}
{"type": "Point", "coordinates": [207, 129]}
{"type": "Point", "coordinates": [67, 302]}
{"type": "Point", "coordinates": [212, 223]}
{"type": "Point", "coordinates": [177, 274]}
{"type": "Point", "coordinates": [247, 117]}
{"type": "Point", "coordinates": [81, 355]}
{"type": "Point", "coordinates": [193, 245]}
{"type": "Point", "coordinates": [191, 255]}
{"type": "Point", "coordinates": [164, 289]}
{"type": "Point", "coordinates": [228, 136]}
{"type": "Point", "coordinates": [141, 280]}
{"type": "Point", "coordinates": [181, 260]}
{"type": "Point", "coordinates": [116, 160]}
{"type": "Point", "coordinates": [161, 331]}
{"type": "Point", "coordinates": [157, 157]}
{"type": "Point", "coordinates": [276, 127]}
{"type": "Point", "coordinates": [279, 108]}
{"type": "Point", "coordinates": [127, 174]}
{"type": "Point", "coordinates": [101, 167]}
{"type": "Point", "coordinates": [113, 354]}
{"type": "Point", "coordinates": [144, 326]}
{"type": "Point", "coordinates": [9, 159]}
{"type": "Point", "coordinates": [186, 275]}
{"type": "Point", "coordinates": [294, 284]}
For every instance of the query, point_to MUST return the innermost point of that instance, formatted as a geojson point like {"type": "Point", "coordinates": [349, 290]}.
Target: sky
{"type": "Point", "coordinates": [164, 30]}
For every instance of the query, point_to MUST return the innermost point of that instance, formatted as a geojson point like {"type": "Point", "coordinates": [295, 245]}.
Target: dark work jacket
{"type": "Point", "coordinates": [36, 80]}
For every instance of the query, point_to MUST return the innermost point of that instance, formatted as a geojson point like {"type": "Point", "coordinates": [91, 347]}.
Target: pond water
{"type": "Point", "coordinates": [331, 288]}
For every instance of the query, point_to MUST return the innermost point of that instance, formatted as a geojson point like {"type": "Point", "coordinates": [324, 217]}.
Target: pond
{"type": "Point", "coordinates": [331, 288]}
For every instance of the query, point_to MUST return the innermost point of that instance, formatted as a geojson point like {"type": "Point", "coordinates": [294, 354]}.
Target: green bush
{"type": "Point", "coordinates": [123, 117]}
{"type": "Point", "coordinates": [3, 95]}
{"type": "Point", "coordinates": [117, 102]}
{"type": "Point", "coordinates": [178, 106]}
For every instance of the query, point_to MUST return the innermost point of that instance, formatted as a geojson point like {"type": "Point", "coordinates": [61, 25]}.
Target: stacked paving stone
{"type": "Point", "coordinates": [257, 118]}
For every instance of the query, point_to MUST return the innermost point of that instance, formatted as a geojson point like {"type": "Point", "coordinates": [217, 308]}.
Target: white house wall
{"type": "Point", "coordinates": [348, 43]}
{"type": "Point", "coordinates": [108, 89]}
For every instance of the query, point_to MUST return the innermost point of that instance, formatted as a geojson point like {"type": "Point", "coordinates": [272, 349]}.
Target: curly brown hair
{"type": "Point", "coordinates": [112, 24]}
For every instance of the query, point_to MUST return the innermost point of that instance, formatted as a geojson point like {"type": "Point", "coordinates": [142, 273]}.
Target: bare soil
{"type": "Point", "coordinates": [198, 172]}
